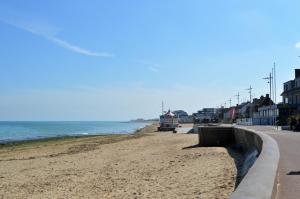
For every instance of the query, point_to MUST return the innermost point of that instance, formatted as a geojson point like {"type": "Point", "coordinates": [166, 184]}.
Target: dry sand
{"type": "Point", "coordinates": [145, 165]}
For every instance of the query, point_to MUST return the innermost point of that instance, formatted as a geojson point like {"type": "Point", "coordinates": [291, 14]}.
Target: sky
{"type": "Point", "coordinates": [117, 60]}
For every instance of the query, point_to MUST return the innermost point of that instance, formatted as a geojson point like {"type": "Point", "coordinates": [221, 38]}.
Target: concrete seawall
{"type": "Point", "coordinates": [261, 158]}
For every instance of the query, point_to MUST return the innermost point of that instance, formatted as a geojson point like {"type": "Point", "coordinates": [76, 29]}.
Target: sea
{"type": "Point", "coordinates": [20, 131]}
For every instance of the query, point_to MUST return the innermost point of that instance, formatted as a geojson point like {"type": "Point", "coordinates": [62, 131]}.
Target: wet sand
{"type": "Point", "coordinates": [145, 165]}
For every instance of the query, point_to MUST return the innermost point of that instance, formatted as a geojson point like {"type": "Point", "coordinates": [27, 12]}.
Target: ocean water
{"type": "Point", "coordinates": [17, 131]}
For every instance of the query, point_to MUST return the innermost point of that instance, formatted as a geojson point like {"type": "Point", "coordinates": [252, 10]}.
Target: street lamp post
{"type": "Point", "coordinates": [270, 80]}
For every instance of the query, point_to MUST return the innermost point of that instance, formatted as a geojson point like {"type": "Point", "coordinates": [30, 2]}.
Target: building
{"type": "Point", "coordinates": [183, 116]}
{"type": "Point", "coordinates": [266, 115]}
{"type": "Point", "coordinates": [291, 93]}
{"type": "Point", "coordinates": [262, 111]}
{"type": "Point", "coordinates": [260, 102]}
{"type": "Point", "coordinates": [243, 110]}
{"type": "Point", "coordinates": [271, 115]}
{"type": "Point", "coordinates": [180, 113]}
{"type": "Point", "coordinates": [229, 114]}
{"type": "Point", "coordinates": [168, 122]}
{"type": "Point", "coordinates": [206, 115]}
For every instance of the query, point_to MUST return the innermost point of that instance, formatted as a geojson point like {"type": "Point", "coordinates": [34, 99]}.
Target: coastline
{"type": "Point", "coordinates": [15, 143]}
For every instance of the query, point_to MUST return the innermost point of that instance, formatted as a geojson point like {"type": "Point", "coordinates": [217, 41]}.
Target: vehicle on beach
{"type": "Point", "coordinates": [168, 122]}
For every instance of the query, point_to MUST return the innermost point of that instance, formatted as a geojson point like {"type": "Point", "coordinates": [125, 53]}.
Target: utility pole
{"type": "Point", "coordinates": [273, 96]}
{"type": "Point", "coordinates": [230, 102]}
{"type": "Point", "coordinates": [275, 83]}
{"type": "Point", "coordinates": [238, 98]}
{"type": "Point", "coordinates": [270, 81]}
{"type": "Point", "coordinates": [275, 92]}
{"type": "Point", "coordinates": [250, 92]}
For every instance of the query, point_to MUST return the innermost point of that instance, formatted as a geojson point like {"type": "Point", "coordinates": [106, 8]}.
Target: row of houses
{"type": "Point", "coordinates": [201, 116]}
{"type": "Point", "coordinates": [183, 117]}
{"type": "Point", "coordinates": [260, 111]}
{"type": "Point", "coordinates": [206, 115]}
{"type": "Point", "coordinates": [263, 111]}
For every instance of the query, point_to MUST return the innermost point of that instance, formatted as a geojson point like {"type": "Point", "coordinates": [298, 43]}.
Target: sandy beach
{"type": "Point", "coordinates": [144, 165]}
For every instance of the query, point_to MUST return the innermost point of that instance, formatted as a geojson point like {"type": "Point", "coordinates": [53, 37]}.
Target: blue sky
{"type": "Point", "coordinates": [116, 60]}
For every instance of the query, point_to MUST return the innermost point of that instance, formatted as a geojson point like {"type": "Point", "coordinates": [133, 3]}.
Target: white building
{"type": "Point", "coordinates": [206, 114]}
{"type": "Point", "coordinates": [183, 116]}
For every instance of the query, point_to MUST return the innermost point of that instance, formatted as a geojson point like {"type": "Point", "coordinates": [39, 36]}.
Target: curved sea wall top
{"type": "Point", "coordinates": [261, 158]}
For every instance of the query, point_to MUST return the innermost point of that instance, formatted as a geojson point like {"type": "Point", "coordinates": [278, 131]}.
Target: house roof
{"type": "Point", "coordinates": [262, 101]}
{"type": "Point", "coordinates": [169, 113]}
{"type": "Point", "coordinates": [293, 90]}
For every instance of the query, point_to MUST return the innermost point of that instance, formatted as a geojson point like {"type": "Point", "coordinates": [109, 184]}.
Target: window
{"type": "Point", "coordinates": [286, 100]}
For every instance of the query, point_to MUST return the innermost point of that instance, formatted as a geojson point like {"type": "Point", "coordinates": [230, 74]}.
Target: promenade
{"type": "Point", "coordinates": [289, 163]}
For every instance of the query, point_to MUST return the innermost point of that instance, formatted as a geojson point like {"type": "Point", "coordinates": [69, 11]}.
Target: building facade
{"type": "Point", "coordinates": [262, 111]}
{"type": "Point", "coordinates": [291, 91]}
{"type": "Point", "coordinates": [183, 116]}
{"type": "Point", "coordinates": [206, 115]}
{"type": "Point", "coordinates": [266, 115]}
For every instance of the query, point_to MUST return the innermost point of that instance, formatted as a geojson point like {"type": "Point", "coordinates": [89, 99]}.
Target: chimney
{"type": "Point", "coordinates": [297, 73]}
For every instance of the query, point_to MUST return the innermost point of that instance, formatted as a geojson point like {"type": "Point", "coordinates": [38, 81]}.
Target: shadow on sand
{"type": "Point", "coordinates": [238, 156]}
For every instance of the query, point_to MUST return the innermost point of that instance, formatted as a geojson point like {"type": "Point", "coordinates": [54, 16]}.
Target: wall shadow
{"type": "Point", "coordinates": [237, 155]}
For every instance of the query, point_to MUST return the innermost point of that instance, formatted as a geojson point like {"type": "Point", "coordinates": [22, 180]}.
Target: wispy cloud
{"type": "Point", "coordinates": [153, 69]}
{"type": "Point", "coordinates": [77, 49]}
{"type": "Point", "coordinates": [150, 66]}
{"type": "Point", "coordinates": [297, 45]}
{"type": "Point", "coordinates": [50, 33]}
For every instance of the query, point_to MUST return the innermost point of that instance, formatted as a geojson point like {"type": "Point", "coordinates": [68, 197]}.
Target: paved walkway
{"type": "Point", "coordinates": [289, 163]}
{"type": "Point", "coordinates": [185, 128]}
